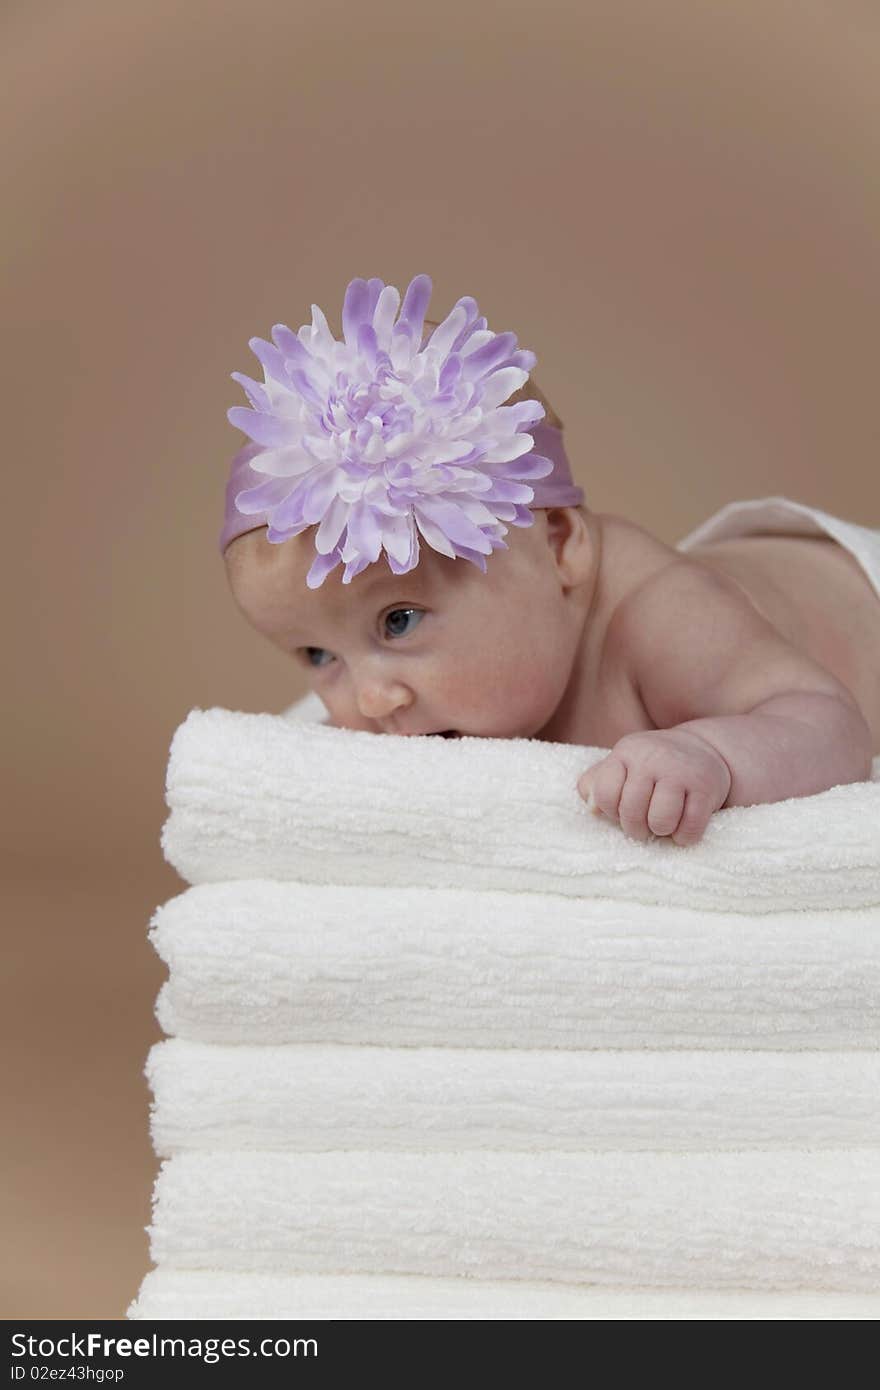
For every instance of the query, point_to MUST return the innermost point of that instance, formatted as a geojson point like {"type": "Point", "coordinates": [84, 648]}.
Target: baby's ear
{"type": "Point", "coordinates": [571, 540]}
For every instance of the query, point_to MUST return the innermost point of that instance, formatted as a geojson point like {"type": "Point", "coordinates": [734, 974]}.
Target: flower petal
{"type": "Point", "coordinates": [523, 413]}
{"type": "Point", "coordinates": [506, 490]}
{"type": "Point", "coordinates": [524, 359]}
{"type": "Point", "coordinates": [450, 372]}
{"type": "Point", "coordinates": [530, 466]}
{"type": "Point", "coordinates": [254, 390]}
{"type": "Point", "coordinates": [375, 286]}
{"type": "Point", "coordinates": [319, 491]}
{"type": "Point", "coordinates": [446, 333]}
{"type": "Point", "coordinates": [476, 512]}
{"type": "Point", "coordinates": [289, 462]}
{"type": "Point", "coordinates": [319, 447]}
{"type": "Point", "coordinates": [302, 381]}
{"type": "Point", "coordinates": [402, 346]}
{"type": "Point", "coordinates": [264, 429]}
{"type": "Point", "coordinates": [435, 537]}
{"type": "Point", "coordinates": [454, 451]}
{"type": "Point", "coordinates": [500, 385]}
{"type": "Point", "coordinates": [452, 521]}
{"type": "Point", "coordinates": [415, 305]}
{"type": "Point", "coordinates": [355, 309]}
{"type": "Point", "coordinates": [323, 344]}
{"type": "Point", "coordinates": [471, 308]}
{"type": "Point", "coordinates": [491, 355]}
{"type": "Point", "coordinates": [332, 526]}
{"type": "Point", "coordinates": [506, 450]}
{"type": "Point", "coordinates": [367, 343]}
{"type": "Point", "coordinates": [474, 556]}
{"type": "Point", "coordinates": [397, 568]}
{"type": "Point", "coordinates": [384, 314]}
{"type": "Point", "coordinates": [263, 498]}
{"type": "Point", "coordinates": [279, 537]}
{"type": "Point", "coordinates": [354, 568]}
{"type": "Point", "coordinates": [321, 567]}
{"type": "Point", "coordinates": [289, 345]}
{"type": "Point", "coordinates": [288, 516]}
{"type": "Point", "coordinates": [397, 538]}
{"type": "Point", "coordinates": [475, 341]}
{"type": "Point", "coordinates": [364, 534]}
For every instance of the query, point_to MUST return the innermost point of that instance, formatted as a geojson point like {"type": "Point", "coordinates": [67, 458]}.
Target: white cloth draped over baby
{"type": "Point", "coordinates": [444, 1045]}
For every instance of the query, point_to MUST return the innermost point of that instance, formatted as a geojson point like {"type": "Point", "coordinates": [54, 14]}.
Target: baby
{"type": "Point", "coordinates": [742, 666]}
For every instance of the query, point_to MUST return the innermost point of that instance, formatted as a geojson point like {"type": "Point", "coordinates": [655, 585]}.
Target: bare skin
{"type": "Point", "coordinates": [588, 630]}
{"type": "Point", "coordinates": [818, 598]}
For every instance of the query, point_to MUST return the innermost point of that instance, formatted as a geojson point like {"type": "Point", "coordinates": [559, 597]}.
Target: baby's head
{"type": "Point", "coordinates": [443, 647]}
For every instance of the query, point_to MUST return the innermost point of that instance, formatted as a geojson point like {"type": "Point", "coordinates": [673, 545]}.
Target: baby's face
{"type": "Point", "coordinates": [441, 648]}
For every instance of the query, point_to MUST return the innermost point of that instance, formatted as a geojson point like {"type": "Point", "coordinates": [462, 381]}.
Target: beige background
{"type": "Point", "coordinates": [676, 206]}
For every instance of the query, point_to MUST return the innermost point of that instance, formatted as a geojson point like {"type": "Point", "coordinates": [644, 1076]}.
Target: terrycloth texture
{"type": "Point", "coordinates": [257, 796]}
{"type": "Point", "coordinates": [195, 1294]}
{"type": "Point", "coordinates": [312, 1099]}
{"type": "Point", "coordinates": [767, 1221]}
{"type": "Point", "coordinates": [286, 962]}
{"type": "Point", "coordinates": [438, 1082]}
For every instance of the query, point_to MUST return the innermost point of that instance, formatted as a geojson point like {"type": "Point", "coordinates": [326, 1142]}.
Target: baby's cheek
{"type": "Point", "coordinates": [536, 695]}
{"type": "Point", "coordinates": [522, 697]}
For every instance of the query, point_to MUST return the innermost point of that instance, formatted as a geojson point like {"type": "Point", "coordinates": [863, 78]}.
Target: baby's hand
{"type": "Point", "coordinates": [659, 781]}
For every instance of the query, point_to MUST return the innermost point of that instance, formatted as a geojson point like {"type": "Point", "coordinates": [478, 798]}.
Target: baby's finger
{"type": "Point", "coordinates": [605, 786]}
{"type": "Point", "coordinates": [694, 819]}
{"type": "Point", "coordinates": [667, 805]}
{"type": "Point", "coordinates": [634, 802]}
{"type": "Point", "coordinates": [586, 785]}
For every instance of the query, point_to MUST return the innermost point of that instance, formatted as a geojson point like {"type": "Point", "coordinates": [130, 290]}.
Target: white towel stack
{"type": "Point", "coordinates": [444, 1045]}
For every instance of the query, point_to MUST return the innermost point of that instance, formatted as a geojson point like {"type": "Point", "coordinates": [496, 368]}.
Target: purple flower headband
{"type": "Point", "coordinates": [376, 439]}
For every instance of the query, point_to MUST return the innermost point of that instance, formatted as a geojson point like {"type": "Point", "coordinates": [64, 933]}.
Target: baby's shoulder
{"type": "Point", "coordinates": [634, 563]}
{"type": "Point", "coordinates": [635, 572]}
{"type": "Point", "coordinates": [696, 645]}
{"type": "Point", "coordinates": [665, 595]}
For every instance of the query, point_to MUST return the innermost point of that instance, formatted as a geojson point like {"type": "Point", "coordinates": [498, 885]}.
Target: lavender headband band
{"type": "Point", "coordinates": [377, 440]}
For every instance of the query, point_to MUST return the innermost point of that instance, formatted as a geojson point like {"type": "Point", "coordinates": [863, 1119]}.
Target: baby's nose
{"type": "Point", "coordinates": [376, 699]}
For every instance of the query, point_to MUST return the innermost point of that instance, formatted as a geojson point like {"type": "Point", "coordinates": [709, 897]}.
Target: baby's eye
{"type": "Point", "coordinates": [312, 652]}
{"type": "Point", "coordinates": [397, 629]}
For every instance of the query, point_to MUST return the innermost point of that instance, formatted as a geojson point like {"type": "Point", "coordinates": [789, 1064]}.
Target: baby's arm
{"type": "Point", "coordinates": [742, 716]}
{"type": "Point", "coordinates": [796, 743]}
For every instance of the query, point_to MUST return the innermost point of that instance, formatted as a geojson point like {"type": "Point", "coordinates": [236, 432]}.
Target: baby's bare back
{"type": "Point", "coordinates": [818, 598]}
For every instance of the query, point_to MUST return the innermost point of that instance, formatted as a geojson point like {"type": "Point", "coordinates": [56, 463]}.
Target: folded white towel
{"type": "Point", "coordinates": [785, 1220]}
{"type": "Point", "coordinates": [313, 1098]}
{"type": "Point", "coordinates": [261, 796]}
{"type": "Point", "coordinates": [263, 962]}
{"type": "Point", "coordinates": [196, 1294]}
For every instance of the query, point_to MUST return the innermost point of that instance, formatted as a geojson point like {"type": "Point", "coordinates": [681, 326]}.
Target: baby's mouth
{"type": "Point", "coordinates": [446, 733]}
